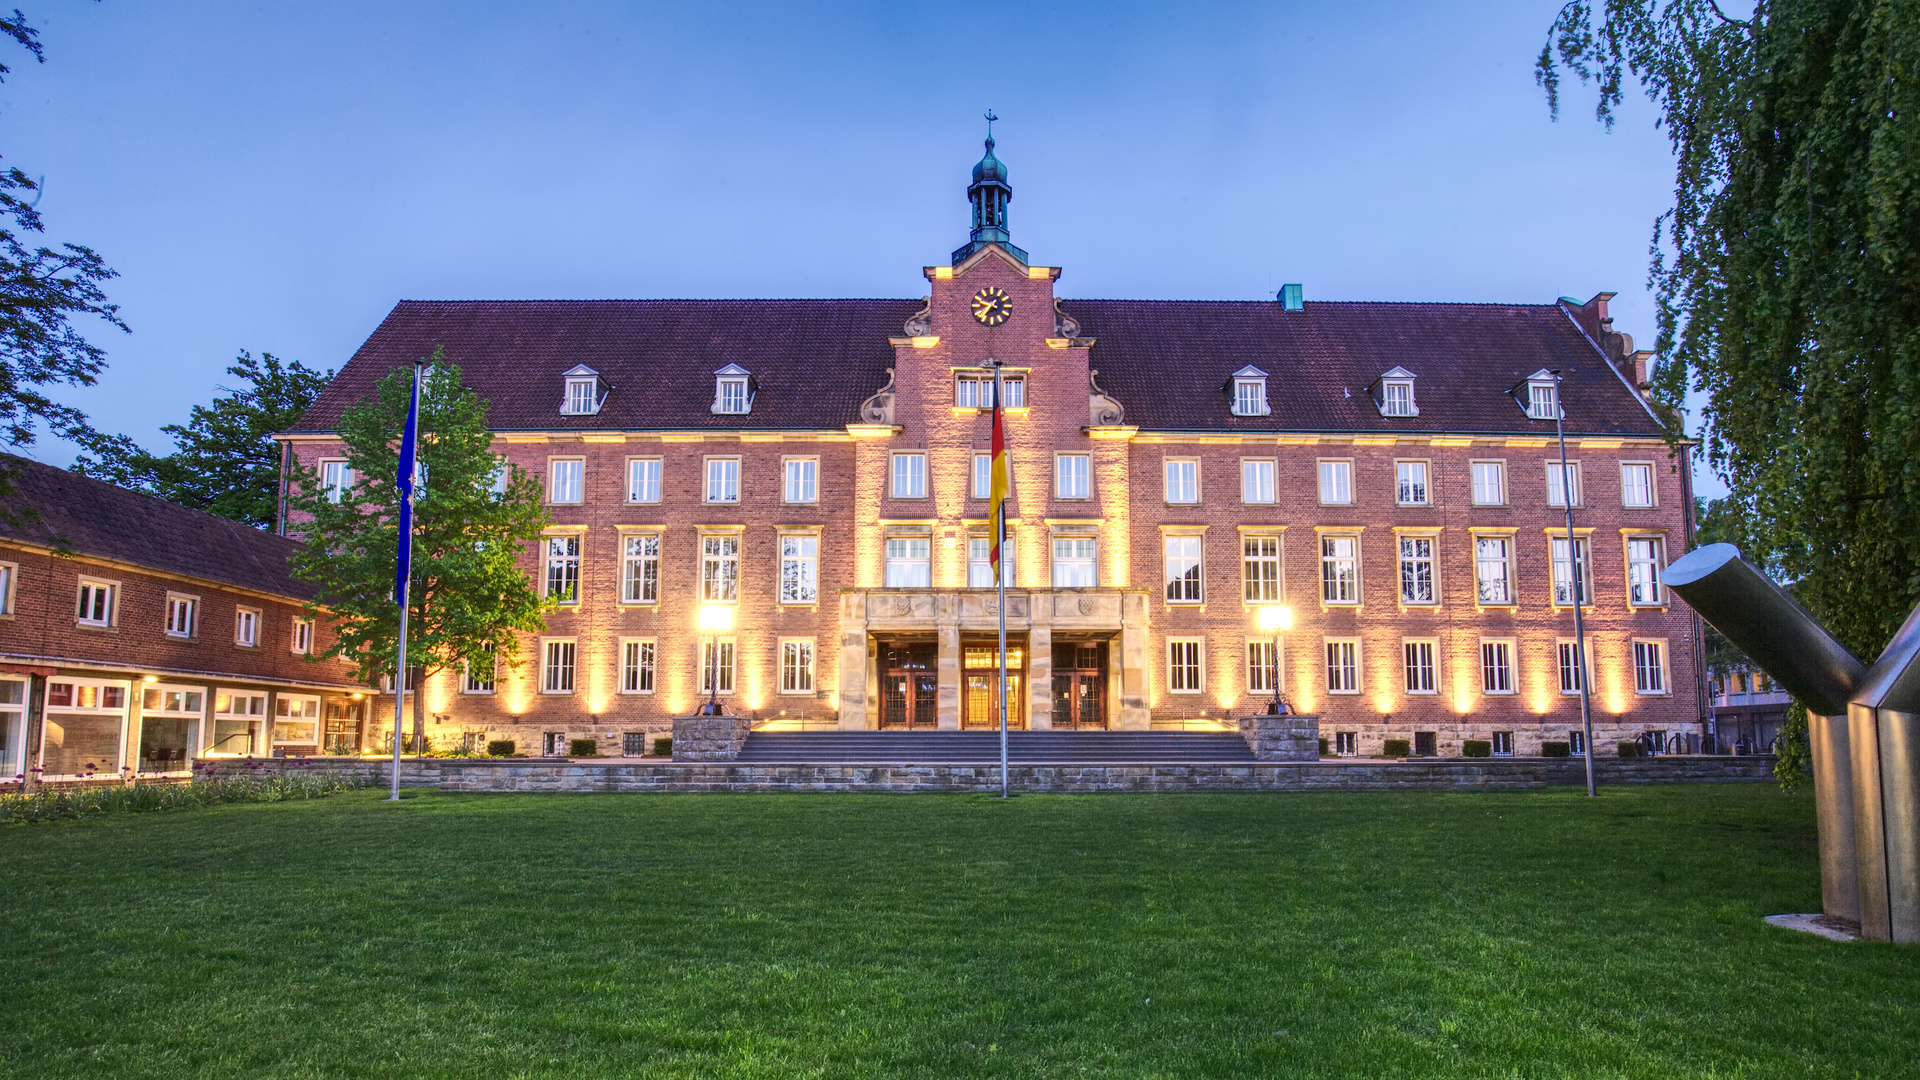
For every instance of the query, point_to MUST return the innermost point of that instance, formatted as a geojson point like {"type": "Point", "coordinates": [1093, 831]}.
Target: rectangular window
{"type": "Point", "coordinates": [1493, 569]}
{"type": "Point", "coordinates": [1649, 667]}
{"type": "Point", "coordinates": [1073, 478]}
{"type": "Point", "coordinates": [563, 568]}
{"type": "Point", "coordinates": [1336, 483]}
{"type": "Point", "coordinates": [246, 626]}
{"type": "Point", "coordinates": [640, 568]}
{"type": "Point", "coordinates": [1503, 744]}
{"type": "Point", "coordinates": [1542, 402]}
{"type": "Point", "coordinates": [8, 571]}
{"type": "Point", "coordinates": [1496, 667]}
{"type": "Point", "coordinates": [1410, 483]}
{"type": "Point", "coordinates": [723, 480]}
{"type": "Point", "coordinates": [556, 668]}
{"type": "Point", "coordinates": [1183, 569]}
{"type": "Point", "coordinates": [336, 479]}
{"type": "Point", "coordinates": [716, 666]}
{"type": "Point", "coordinates": [1263, 667]}
{"type": "Point", "coordinates": [796, 667]}
{"type": "Point", "coordinates": [643, 480]}
{"type": "Point", "coordinates": [731, 396]}
{"type": "Point", "coordinates": [300, 643]}
{"type": "Point", "coordinates": [1346, 744]}
{"type": "Point", "coordinates": [1489, 483]}
{"type": "Point", "coordinates": [1343, 667]}
{"type": "Point", "coordinates": [1556, 483]}
{"type": "Point", "coordinates": [580, 397]}
{"type": "Point", "coordinates": [477, 678]}
{"type": "Point", "coordinates": [1567, 660]}
{"type": "Point", "coordinates": [1643, 571]}
{"type": "Point", "coordinates": [497, 482]}
{"type": "Point", "coordinates": [96, 602]}
{"type": "Point", "coordinates": [1636, 485]}
{"type": "Point", "coordinates": [982, 487]}
{"type": "Point", "coordinates": [1420, 673]}
{"type": "Point", "coordinates": [1260, 569]}
{"type": "Point", "coordinates": [1340, 569]}
{"type": "Point", "coordinates": [720, 567]}
{"type": "Point", "coordinates": [799, 568]}
{"type": "Point", "coordinates": [1183, 480]}
{"type": "Point", "coordinates": [801, 480]}
{"type": "Point", "coordinates": [1396, 398]}
{"type": "Point", "coordinates": [180, 615]}
{"type": "Point", "coordinates": [1416, 570]}
{"type": "Point", "coordinates": [1250, 397]}
{"type": "Point", "coordinates": [1564, 576]}
{"type": "Point", "coordinates": [974, 390]}
{"type": "Point", "coordinates": [980, 562]}
{"type": "Point", "coordinates": [1256, 480]}
{"type": "Point", "coordinates": [1577, 742]}
{"type": "Point", "coordinates": [568, 482]}
{"type": "Point", "coordinates": [908, 565]}
{"type": "Point", "coordinates": [1073, 566]}
{"type": "Point", "coordinates": [909, 476]}
{"type": "Point", "coordinates": [1183, 666]}
{"type": "Point", "coordinates": [636, 667]}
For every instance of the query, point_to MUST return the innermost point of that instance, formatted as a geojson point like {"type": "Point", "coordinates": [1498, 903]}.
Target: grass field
{"type": "Point", "coordinates": [1364, 935]}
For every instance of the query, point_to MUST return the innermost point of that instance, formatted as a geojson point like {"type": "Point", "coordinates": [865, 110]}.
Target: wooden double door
{"type": "Point", "coordinates": [1079, 685]}
{"type": "Point", "coordinates": [980, 686]}
{"type": "Point", "coordinates": [909, 685]}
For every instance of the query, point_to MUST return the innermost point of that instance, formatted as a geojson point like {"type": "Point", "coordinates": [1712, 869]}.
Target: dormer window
{"type": "Point", "coordinates": [585, 392]}
{"type": "Point", "coordinates": [1542, 400]}
{"type": "Point", "coordinates": [1249, 389]}
{"type": "Point", "coordinates": [1396, 393]}
{"type": "Point", "coordinates": [732, 391]}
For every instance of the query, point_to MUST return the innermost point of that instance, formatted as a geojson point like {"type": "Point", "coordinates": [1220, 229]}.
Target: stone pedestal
{"type": "Point", "coordinates": [709, 738]}
{"type": "Point", "coordinates": [1294, 737]}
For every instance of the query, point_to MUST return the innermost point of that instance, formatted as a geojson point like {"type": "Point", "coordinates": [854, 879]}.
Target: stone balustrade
{"type": "Point", "coordinates": [1293, 737]}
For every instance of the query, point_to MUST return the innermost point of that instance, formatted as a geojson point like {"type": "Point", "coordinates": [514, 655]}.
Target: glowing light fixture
{"type": "Point", "coordinates": [715, 619]}
{"type": "Point", "coordinates": [1275, 619]}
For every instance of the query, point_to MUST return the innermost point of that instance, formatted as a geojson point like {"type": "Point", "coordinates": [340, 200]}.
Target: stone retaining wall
{"type": "Point", "coordinates": [709, 738]}
{"type": "Point", "coordinates": [1282, 738]}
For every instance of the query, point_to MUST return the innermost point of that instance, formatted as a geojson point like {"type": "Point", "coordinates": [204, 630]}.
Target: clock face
{"type": "Point", "coordinates": [992, 305]}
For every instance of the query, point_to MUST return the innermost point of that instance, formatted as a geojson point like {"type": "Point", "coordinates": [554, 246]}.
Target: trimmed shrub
{"type": "Point", "coordinates": [1323, 748]}
{"type": "Point", "coordinates": [583, 748]}
{"type": "Point", "coordinates": [1476, 748]}
{"type": "Point", "coordinates": [1556, 749]}
{"type": "Point", "coordinates": [1629, 749]}
{"type": "Point", "coordinates": [663, 747]}
{"type": "Point", "coordinates": [1395, 748]}
{"type": "Point", "coordinates": [500, 748]}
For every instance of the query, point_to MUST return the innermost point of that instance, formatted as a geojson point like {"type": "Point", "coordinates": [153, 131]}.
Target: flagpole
{"type": "Point", "coordinates": [999, 576]}
{"type": "Point", "coordinates": [403, 552]}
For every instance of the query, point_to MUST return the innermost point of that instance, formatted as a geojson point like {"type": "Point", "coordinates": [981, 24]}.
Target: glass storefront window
{"type": "Point", "coordinates": [85, 726]}
{"type": "Point", "coordinates": [169, 722]}
{"type": "Point", "coordinates": [239, 723]}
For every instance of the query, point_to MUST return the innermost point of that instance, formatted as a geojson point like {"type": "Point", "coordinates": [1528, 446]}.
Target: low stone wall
{"type": "Point", "coordinates": [557, 775]}
{"type": "Point", "coordinates": [709, 738]}
{"type": "Point", "coordinates": [1292, 737]}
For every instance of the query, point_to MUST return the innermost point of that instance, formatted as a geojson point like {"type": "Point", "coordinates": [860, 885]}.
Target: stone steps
{"type": "Point", "coordinates": [981, 747]}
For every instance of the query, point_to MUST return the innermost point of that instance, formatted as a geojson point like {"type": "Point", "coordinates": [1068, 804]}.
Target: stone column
{"type": "Point", "coordinates": [1135, 643]}
{"type": "Point", "coordinates": [1040, 661]}
{"type": "Point", "coordinates": [855, 698]}
{"type": "Point", "coordinates": [947, 622]}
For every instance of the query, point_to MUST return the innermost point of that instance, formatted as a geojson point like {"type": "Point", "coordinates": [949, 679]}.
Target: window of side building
{"type": "Point", "coordinates": [723, 480]}
{"type": "Point", "coordinates": [800, 480]}
{"type": "Point", "coordinates": [566, 480]}
{"type": "Point", "coordinates": [1336, 482]}
{"type": "Point", "coordinates": [1489, 483]}
{"type": "Point", "coordinates": [1073, 476]}
{"type": "Point", "coordinates": [1260, 568]}
{"type": "Point", "coordinates": [1419, 582]}
{"type": "Point", "coordinates": [1339, 569]}
{"type": "Point", "coordinates": [1410, 483]}
{"type": "Point", "coordinates": [300, 638]}
{"type": "Point", "coordinates": [1266, 665]}
{"type": "Point", "coordinates": [1183, 568]}
{"type": "Point", "coordinates": [96, 606]}
{"type": "Point", "coordinates": [1073, 562]}
{"type": "Point", "coordinates": [182, 615]}
{"type": "Point", "coordinates": [1423, 675]}
{"type": "Point", "coordinates": [556, 665]}
{"type": "Point", "coordinates": [1645, 557]}
{"type": "Point", "coordinates": [1182, 480]}
{"type": "Point", "coordinates": [636, 665]}
{"type": "Point", "coordinates": [1572, 571]}
{"type": "Point", "coordinates": [1649, 667]}
{"type": "Point", "coordinates": [1184, 666]}
{"type": "Point", "coordinates": [716, 666]}
{"type": "Point", "coordinates": [1567, 659]}
{"type": "Point", "coordinates": [563, 568]}
{"type": "Point", "coordinates": [720, 567]}
{"type": "Point", "coordinates": [796, 665]}
{"type": "Point", "coordinates": [799, 568]}
{"type": "Point", "coordinates": [1343, 665]}
{"type": "Point", "coordinates": [336, 479]}
{"type": "Point", "coordinates": [476, 677]}
{"type": "Point", "coordinates": [246, 627]}
{"type": "Point", "coordinates": [1493, 570]}
{"type": "Point", "coordinates": [643, 480]}
{"type": "Point", "coordinates": [1636, 485]}
{"type": "Point", "coordinates": [910, 475]}
{"type": "Point", "coordinates": [9, 573]}
{"type": "Point", "coordinates": [640, 568]}
{"type": "Point", "coordinates": [1558, 481]}
{"type": "Point", "coordinates": [1256, 481]}
{"type": "Point", "coordinates": [1496, 667]}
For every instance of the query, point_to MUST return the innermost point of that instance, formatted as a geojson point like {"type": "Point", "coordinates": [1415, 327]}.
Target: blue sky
{"type": "Point", "coordinates": [274, 176]}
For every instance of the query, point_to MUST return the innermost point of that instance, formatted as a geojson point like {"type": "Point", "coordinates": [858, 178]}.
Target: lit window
{"type": "Point", "coordinates": [980, 562]}
{"type": "Point", "coordinates": [1264, 667]}
{"type": "Point", "coordinates": [1643, 572]}
{"type": "Point", "coordinates": [1183, 569]}
{"type": "Point", "coordinates": [636, 667]}
{"type": "Point", "coordinates": [1346, 743]}
{"type": "Point", "coordinates": [720, 568]}
{"type": "Point", "coordinates": [1564, 572]}
{"type": "Point", "coordinates": [910, 476]}
{"type": "Point", "coordinates": [723, 480]}
{"type": "Point", "coordinates": [1410, 483]}
{"type": "Point", "coordinates": [907, 563]}
{"type": "Point", "coordinates": [96, 602]}
{"type": "Point", "coordinates": [1343, 667]}
{"type": "Point", "coordinates": [1636, 486]}
{"type": "Point", "coordinates": [246, 626]}
{"type": "Point", "coordinates": [796, 667]}
{"type": "Point", "coordinates": [1558, 481]}
{"type": "Point", "coordinates": [1340, 569]}
{"type": "Point", "coordinates": [1256, 480]}
{"type": "Point", "coordinates": [1183, 480]}
{"type": "Point", "coordinates": [1493, 569]}
{"type": "Point", "coordinates": [982, 487]}
{"type": "Point", "coordinates": [336, 479]}
{"type": "Point", "coordinates": [1419, 663]}
{"type": "Point", "coordinates": [1073, 566]}
{"type": "Point", "coordinates": [301, 642]}
{"type": "Point", "coordinates": [1260, 569]}
{"type": "Point", "coordinates": [568, 480]}
{"type": "Point", "coordinates": [1336, 483]}
{"type": "Point", "coordinates": [1250, 392]}
{"type": "Point", "coordinates": [799, 568]}
{"type": "Point", "coordinates": [1577, 742]}
{"type": "Point", "coordinates": [1416, 570]}
{"type": "Point", "coordinates": [556, 668]}
{"type": "Point", "coordinates": [563, 569]}
{"type": "Point", "coordinates": [180, 616]}
{"type": "Point", "coordinates": [1503, 744]}
{"type": "Point", "coordinates": [716, 666]}
{"type": "Point", "coordinates": [1649, 667]}
{"type": "Point", "coordinates": [1489, 483]}
{"type": "Point", "coordinates": [1567, 657]}
{"type": "Point", "coordinates": [477, 678]}
{"type": "Point", "coordinates": [1496, 667]}
{"type": "Point", "coordinates": [643, 480]}
{"type": "Point", "coordinates": [1183, 667]}
{"type": "Point", "coordinates": [1072, 476]}
{"type": "Point", "coordinates": [640, 569]}
{"type": "Point", "coordinates": [974, 390]}
{"type": "Point", "coordinates": [801, 483]}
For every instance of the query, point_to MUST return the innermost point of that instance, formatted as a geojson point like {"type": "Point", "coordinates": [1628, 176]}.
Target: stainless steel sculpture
{"type": "Point", "coordinates": [1864, 727]}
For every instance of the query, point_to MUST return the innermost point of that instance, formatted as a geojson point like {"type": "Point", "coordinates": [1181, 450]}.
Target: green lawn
{"type": "Point", "coordinates": [1364, 935]}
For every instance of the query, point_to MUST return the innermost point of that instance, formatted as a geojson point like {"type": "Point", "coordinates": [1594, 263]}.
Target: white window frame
{"type": "Point", "coordinates": [732, 395]}
{"type": "Point", "coordinates": [980, 560]}
{"type": "Point", "coordinates": [1543, 399]}
{"type": "Point", "coordinates": [1482, 468]}
{"type": "Point", "coordinates": [1265, 658]}
{"type": "Point", "coordinates": [1568, 674]}
{"type": "Point", "coordinates": [1256, 586]}
{"type": "Point", "coordinates": [1329, 576]}
{"type": "Point", "coordinates": [1259, 484]}
{"type": "Point", "coordinates": [479, 686]}
{"type": "Point", "coordinates": [300, 637]}
{"type": "Point", "coordinates": [183, 616]}
{"type": "Point", "coordinates": [1555, 498]}
{"type": "Point", "coordinates": [799, 568]}
{"type": "Point", "coordinates": [1504, 563]}
{"type": "Point", "coordinates": [1335, 478]}
{"type": "Point", "coordinates": [1397, 404]}
{"type": "Point", "coordinates": [1502, 743]}
{"type": "Point", "coordinates": [1652, 497]}
{"type": "Point", "coordinates": [1073, 477]}
{"type": "Point", "coordinates": [1498, 676]}
{"type": "Point", "coordinates": [797, 656]}
{"type": "Point", "coordinates": [1345, 676]}
{"type": "Point", "coordinates": [1346, 744]}
{"type": "Point", "coordinates": [1075, 561]}
{"type": "Point", "coordinates": [336, 478]}
{"type": "Point", "coordinates": [1645, 589]}
{"type": "Point", "coordinates": [726, 674]}
{"type": "Point", "coordinates": [9, 576]}
{"type": "Point", "coordinates": [800, 480]}
{"type": "Point", "coordinates": [973, 389]}
{"type": "Point", "coordinates": [560, 566]}
{"type": "Point", "coordinates": [720, 567]}
{"type": "Point", "coordinates": [907, 474]}
{"type": "Point", "coordinates": [1180, 481]}
{"type": "Point", "coordinates": [559, 665]}
{"type": "Point", "coordinates": [1560, 572]}
{"type": "Point", "coordinates": [88, 599]}
{"type": "Point", "coordinates": [582, 396]}
{"type": "Point", "coordinates": [1421, 662]}
{"type": "Point", "coordinates": [639, 666]}
{"type": "Point", "coordinates": [566, 476]}
{"type": "Point", "coordinates": [1185, 569]}
{"type": "Point", "coordinates": [640, 567]}
{"type": "Point", "coordinates": [907, 561]}
{"type": "Point", "coordinates": [720, 480]}
{"type": "Point", "coordinates": [644, 479]}
{"type": "Point", "coordinates": [1186, 665]}
{"type": "Point", "coordinates": [980, 480]}
{"type": "Point", "coordinates": [1412, 482]}
{"type": "Point", "coordinates": [246, 627]}
{"type": "Point", "coordinates": [1411, 562]}
{"type": "Point", "coordinates": [1250, 393]}
{"type": "Point", "coordinates": [1657, 648]}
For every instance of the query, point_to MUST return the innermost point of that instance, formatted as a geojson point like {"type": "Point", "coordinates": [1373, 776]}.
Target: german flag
{"type": "Point", "coordinates": [1000, 481]}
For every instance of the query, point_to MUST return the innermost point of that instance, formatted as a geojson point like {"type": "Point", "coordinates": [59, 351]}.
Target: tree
{"type": "Point", "coordinates": [473, 514]}
{"type": "Point", "coordinates": [1788, 272]}
{"type": "Point", "coordinates": [225, 459]}
{"type": "Point", "coordinates": [42, 292]}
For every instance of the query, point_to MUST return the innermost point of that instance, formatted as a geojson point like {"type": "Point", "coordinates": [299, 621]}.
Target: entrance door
{"type": "Point", "coordinates": [909, 685]}
{"type": "Point", "coordinates": [343, 727]}
{"type": "Point", "coordinates": [1079, 685]}
{"type": "Point", "coordinates": [980, 683]}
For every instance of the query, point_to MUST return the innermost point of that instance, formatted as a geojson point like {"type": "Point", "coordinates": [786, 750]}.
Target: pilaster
{"type": "Point", "coordinates": [1135, 642]}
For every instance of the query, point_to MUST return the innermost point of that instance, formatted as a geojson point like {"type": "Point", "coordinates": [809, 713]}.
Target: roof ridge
{"type": "Point", "coordinates": [1319, 303]}
{"type": "Point", "coordinates": [681, 300]}
{"type": "Point", "coordinates": [68, 475]}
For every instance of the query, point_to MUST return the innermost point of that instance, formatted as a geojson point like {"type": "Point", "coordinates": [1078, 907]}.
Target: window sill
{"type": "Point", "coordinates": [556, 693]}
{"type": "Point", "coordinates": [645, 605]}
{"type": "Point", "coordinates": [103, 628]}
{"type": "Point", "coordinates": [802, 605]}
{"type": "Point", "coordinates": [634, 693]}
{"type": "Point", "coordinates": [476, 693]}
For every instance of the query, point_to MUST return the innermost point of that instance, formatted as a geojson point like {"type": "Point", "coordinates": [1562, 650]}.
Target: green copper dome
{"type": "Point", "coordinates": [990, 167]}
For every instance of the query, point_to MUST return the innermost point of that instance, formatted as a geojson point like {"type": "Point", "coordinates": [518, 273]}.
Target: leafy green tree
{"type": "Point", "coordinates": [1788, 272]}
{"type": "Point", "coordinates": [42, 292]}
{"type": "Point", "coordinates": [469, 600]}
{"type": "Point", "coordinates": [225, 459]}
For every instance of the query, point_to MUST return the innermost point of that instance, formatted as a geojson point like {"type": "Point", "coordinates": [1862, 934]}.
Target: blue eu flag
{"type": "Point", "coordinates": [404, 482]}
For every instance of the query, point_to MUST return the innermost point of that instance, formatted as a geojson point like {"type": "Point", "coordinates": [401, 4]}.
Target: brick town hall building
{"type": "Point", "coordinates": [817, 469]}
